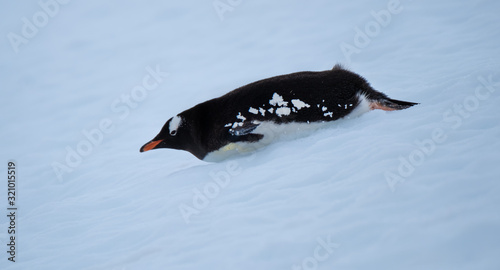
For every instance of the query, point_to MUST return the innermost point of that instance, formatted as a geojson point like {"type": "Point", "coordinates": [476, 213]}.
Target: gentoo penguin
{"type": "Point", "coordinates": [258, 113]}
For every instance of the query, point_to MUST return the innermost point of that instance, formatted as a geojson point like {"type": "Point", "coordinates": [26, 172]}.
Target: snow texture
{"type": "Point", "coordinates": [410, 189]}
{"type": "Point", "coordinates": [262, 111]}
{"type": "Point", "coordinates": [253, 110]}
{"type": "Point", "coordinates": [299, 104]}
{"type": "Point", "coordinates": [241, 117]}
{"type": "Point", "coordinates": [328, 114]}
{"type": "Point", "coordinates": [277, 100]}
{"type": "Point", "coordinates": [283, 111]}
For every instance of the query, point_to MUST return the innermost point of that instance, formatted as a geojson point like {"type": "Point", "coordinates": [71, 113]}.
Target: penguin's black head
{"type": "Point", "coordinates": [174, 134]}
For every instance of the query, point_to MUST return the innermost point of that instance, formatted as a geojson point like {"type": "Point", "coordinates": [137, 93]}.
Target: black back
{"type": "Point", "coordinates": [330, 95]}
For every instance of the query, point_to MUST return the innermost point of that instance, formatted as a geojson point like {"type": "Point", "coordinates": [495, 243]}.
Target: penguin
{"type": "Point", "coordinates": [261, 112]}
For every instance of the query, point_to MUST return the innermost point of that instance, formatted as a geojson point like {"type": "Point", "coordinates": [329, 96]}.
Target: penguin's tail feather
{"type": "Point", "coordinates": [388, 104]}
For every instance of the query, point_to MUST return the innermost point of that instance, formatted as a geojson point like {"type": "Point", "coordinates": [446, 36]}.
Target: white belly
{"type": "Point", "coordinates": [276, 132]}
{"type": "Point", "coordinates": [272, 132]}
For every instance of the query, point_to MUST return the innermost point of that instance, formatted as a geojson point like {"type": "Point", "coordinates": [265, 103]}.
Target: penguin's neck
{"type": "Point", "coordinates": [196, 145]}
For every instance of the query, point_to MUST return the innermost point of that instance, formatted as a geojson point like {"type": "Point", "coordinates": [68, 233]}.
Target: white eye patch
{"type": "Point", "coordinates": [174, 124]}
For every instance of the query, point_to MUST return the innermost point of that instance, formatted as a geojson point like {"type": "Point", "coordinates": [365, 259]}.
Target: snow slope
{"type": "Point", "coordinates": [413, 189]}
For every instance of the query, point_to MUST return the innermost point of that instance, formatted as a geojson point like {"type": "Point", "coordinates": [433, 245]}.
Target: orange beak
{"type": "Point", "coordinates": [150, 145]}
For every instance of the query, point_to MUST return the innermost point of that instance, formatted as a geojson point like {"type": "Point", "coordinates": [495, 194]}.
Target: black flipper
{"type": "Point", "coordinates": [243, 130]}
{"type": "Point", "coordinates": [243, 133]}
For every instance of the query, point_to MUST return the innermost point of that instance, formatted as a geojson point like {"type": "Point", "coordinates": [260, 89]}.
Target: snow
{"type": "Point", "coordinates": [241, 117]}
{"type": "Point", "coordinates": [253, 110]}
{"type": "Point", "coordinates": [410, 189]}
{"type": "Point", "coordinates": [237, 124]}
{"type": "Point", "coordinates": [299, 104]}
{"type": "Point", "coordinates": [277, 100]}
{"type": "Point", "coordinates": [262, 111]}
{"type": "Point", "coordinates": [282, 111]}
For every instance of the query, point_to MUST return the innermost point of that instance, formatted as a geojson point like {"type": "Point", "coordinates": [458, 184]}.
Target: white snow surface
{"type": "Point", "coordinates": [410, 189]}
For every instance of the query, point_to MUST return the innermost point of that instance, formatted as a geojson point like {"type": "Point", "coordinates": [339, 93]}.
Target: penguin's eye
{"type": "Point", "coordinates": [173, 132]}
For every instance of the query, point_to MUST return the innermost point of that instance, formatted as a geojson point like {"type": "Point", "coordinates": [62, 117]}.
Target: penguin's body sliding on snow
{"type": "Point", "coordinates": [242, 119]}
